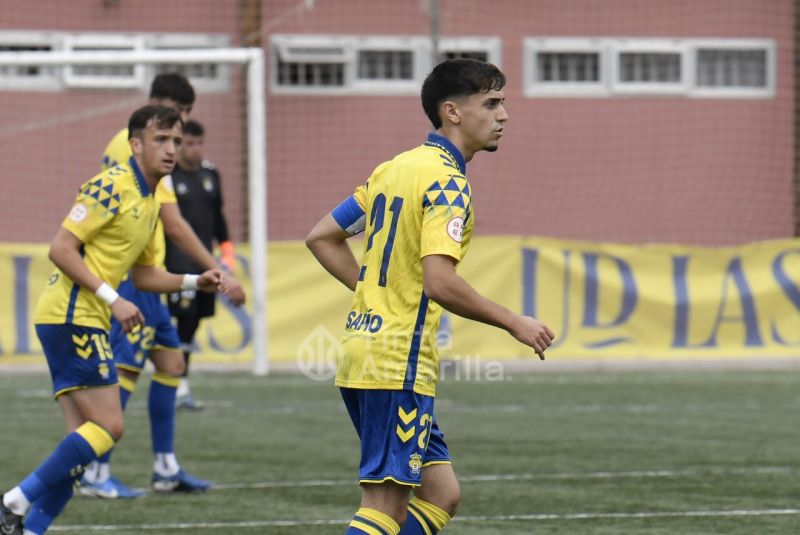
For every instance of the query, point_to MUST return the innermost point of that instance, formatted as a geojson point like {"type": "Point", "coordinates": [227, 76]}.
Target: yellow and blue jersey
{"type": "Point", "coordinates": [115, 217]}
{"type": "Point", "coordinates": [417, 204]}
{"type": "Point", "coordinates": [119, 150]}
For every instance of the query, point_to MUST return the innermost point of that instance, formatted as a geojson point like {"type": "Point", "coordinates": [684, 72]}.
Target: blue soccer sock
{"type": "Point", "coordinates": [161, 406]}
{"type": "Point", "coordinates": [424, 518]}
{"type": "Point", "coordinates": [44, 510]}
{"type": "Point", "coordinates": [75, 451]}
{"type": "Point", "coordinates": [371, 522]}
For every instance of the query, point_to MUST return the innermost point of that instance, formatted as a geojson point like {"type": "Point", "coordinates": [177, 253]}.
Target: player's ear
{"type": "Point", "coordinates": [136, 145]}
{"type": "Point", "coordinates": [450, 112]}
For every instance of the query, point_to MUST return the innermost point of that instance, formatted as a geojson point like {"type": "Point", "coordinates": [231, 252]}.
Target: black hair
{"type": "Point", "coordinates": [455, 78]}
{"type": "Point", "coordinates": [163, 118]}
{"type": "Point", "coordinates": [172, 85]}
{"type": "Point", "coordinates": [193, 128]}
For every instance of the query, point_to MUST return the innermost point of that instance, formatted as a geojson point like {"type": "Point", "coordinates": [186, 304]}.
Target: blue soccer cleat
{"type": "Point", "coordinates": [180, 482]}
{"type": "Point", "coordinates": [10, 524]}
{"type": "Point", "coordinates": [110, 489]}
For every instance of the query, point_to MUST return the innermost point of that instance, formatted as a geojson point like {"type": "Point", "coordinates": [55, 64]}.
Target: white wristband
{"type": "Point", "coordinates": [189, 282]}
{"type": "Point", "coordinates": [107, 293]}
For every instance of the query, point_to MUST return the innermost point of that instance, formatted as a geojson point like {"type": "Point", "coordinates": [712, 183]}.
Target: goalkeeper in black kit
{"type": "Point", "coordinates": [197, 188]}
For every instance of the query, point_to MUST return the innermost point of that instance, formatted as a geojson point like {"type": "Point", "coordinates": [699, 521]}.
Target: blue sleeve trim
{"type": "Point", "coordinates": [349, 216]}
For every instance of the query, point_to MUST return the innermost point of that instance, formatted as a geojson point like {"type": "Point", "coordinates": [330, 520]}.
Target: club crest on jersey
{"type": "Point", "coordinates": [181, 189]}
{"type": "Point", "coordinates": [415, 463]}
{"type": "Point", "coordinates": [455, 228]}
{"type": "Point", "coordinates": [78, 213]}
{"type": "Point", "coordinates": [364, 321]}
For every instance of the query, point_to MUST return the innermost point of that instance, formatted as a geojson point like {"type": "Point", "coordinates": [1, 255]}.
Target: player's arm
{"type": "Point", "coordinates": [156, 280]}
{"type": "Point", "coordinates": [328, 239]}
{"type": "Point", "coordinates": [328, 243]}
{"type": "Point", "coordinates": [182, 234]}
{"type": "Point", "coordinates": [65, 254]}
{"type": "Point", "coordinates": [443, 285]}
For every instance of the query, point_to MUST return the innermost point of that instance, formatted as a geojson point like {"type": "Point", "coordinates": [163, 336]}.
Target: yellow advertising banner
{"type": "Point", "coordinates": [604, 301]}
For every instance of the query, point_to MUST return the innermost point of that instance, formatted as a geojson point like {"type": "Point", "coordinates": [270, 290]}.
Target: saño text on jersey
{"type": "Point", "coordinates": [417, 204]}
{"type": "Point", "coordinates": [114, 215]}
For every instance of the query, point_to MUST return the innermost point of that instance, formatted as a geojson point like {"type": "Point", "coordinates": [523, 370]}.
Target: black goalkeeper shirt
{"type": "Point", "coordinates": [200, 202]}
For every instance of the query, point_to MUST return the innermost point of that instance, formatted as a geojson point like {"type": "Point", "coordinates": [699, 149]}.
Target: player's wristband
{"type": "Point", "coordinates": [107, 293]}
{"type": "Point", "coordinates": [189, 282]}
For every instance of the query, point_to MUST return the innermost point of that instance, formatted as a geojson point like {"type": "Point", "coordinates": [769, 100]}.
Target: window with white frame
{"type": "Point", "coordinates": [602, 67]}
{"type": "Point", "coordinates": [647, 66]}
{"type": "Point", "coordinates": [564, 66]}
{"type": "Point", "coordinates": [27, 77]}
{"type": "Point", "coordinates": [735, 68]}
{"type": "Point", "coordinates": [480, 48]}
{"type": "Point", "coordinates": [204, 77]}
{"type": "Point", "coordinates": [309, 64]}
{"type": "Point", "coordinates": [121, 76]}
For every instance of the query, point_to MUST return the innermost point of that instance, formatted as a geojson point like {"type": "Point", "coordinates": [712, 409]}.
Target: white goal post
{"type": "Point", "coordinates": [253, 61]}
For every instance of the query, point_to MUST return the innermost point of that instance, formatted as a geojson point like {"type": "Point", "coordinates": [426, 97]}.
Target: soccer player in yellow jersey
{"type": "Point", "coordinates": [108, 232]}
{"type": "Point", "coordinates": [417, 213]}
{"type": "Point", "coordinates": [157, 340]}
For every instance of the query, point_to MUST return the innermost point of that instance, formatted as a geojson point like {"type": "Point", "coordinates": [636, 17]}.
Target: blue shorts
{"type": "Point", "coordinates": [399, 434]}
{"type": "Point", "coordinates": [132, 349]}
{"type": "Point", "coordinates": [78, 357]}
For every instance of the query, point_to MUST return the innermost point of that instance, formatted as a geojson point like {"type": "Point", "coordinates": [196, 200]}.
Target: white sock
{"type": "Point", "coordinates": [15, 500]}
{"type": "Point", "coordinates": [90, 472]}
{"type": "Point", "coordinates": [183, 388]}
{"type": "Point", "coordinates": [166, 464]}
{"type": "Point", "coordinates": [103, 472]}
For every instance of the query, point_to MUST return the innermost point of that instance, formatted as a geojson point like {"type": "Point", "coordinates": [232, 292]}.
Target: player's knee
{"type": "Point", "coordinates": [174, 366]}
{"type": "Point", "coordinates": [115, 428]}
{"type": "Point", "coordinates": [451, 505]}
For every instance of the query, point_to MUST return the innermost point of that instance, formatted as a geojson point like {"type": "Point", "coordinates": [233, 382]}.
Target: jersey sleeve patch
{"type": "Point", "coordinates": [446, 208]}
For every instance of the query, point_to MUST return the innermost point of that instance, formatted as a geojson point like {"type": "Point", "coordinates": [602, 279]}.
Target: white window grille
{"type": "Point", "coordinates": [205, 77]}
{"type": "Point", "coordinates": [604, 67]}
{"type": "Point", "coordinates": [379, 65]}
{"type": "Point", "coordinates": [734, 68]}
{"type": "Point", "coordinates": [565, 67]}
{"type": "Point", "coordinates": [105, 76]}
{"type": "Point", "coordinates": [28, 77]}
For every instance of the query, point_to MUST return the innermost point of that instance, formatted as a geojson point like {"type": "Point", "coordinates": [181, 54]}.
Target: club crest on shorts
{"type": "Point", "coordinates": [103, 370]}
{"type": "Point", "coordinates": [415, 463]}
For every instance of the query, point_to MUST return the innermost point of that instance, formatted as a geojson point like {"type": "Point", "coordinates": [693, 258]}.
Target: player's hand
{"type": "Point", "coordinates": [127, 314]}
{"type": "Point", "coordinates": [233, 291]}
{"type": "Point", "coordinates": [533, 333]}
{"type": "Point", "coordinates": [210, 280]}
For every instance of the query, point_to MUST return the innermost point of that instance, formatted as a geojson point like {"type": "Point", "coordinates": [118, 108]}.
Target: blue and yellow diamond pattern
{"type": "Point", "coordinates": [453, 192]}
{"type": "Point", "coordinates": [99, 194]}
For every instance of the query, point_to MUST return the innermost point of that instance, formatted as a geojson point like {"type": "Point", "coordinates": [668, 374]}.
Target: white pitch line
{"type": "Point", "coordinates": [758, 470]}
{"type": "Point", "coordinates": [476, 518]}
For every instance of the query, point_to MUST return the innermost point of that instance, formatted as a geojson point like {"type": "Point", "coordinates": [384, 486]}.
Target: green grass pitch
{"type": "Point", "coordinates": [655, 452]}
